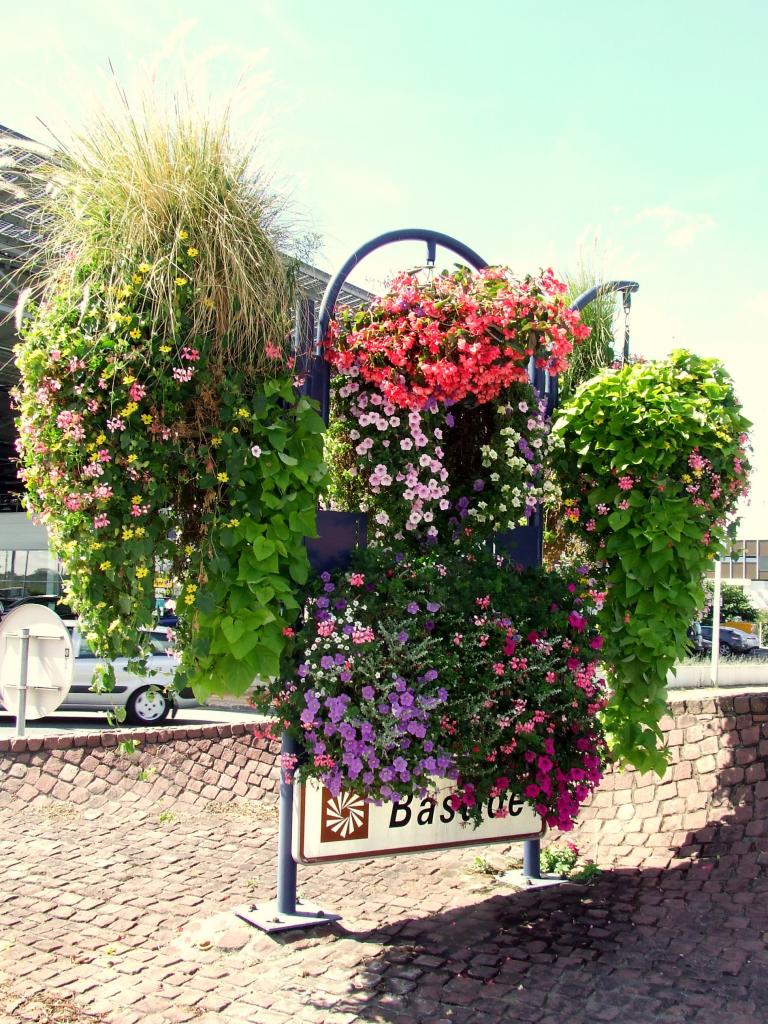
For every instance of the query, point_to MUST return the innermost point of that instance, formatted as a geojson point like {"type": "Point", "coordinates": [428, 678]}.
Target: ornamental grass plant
{"type": "Point", "coordinates": [116, 195]}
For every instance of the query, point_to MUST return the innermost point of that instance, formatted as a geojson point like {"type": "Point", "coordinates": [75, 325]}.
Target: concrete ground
{"type": "Point", "coordinates": [125, 916]}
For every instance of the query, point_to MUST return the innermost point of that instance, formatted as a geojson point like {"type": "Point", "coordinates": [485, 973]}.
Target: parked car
{"type": "Point", "coordinates": [694, 638]}
{"type": "Point", "coordinates": [146, 699]}
{"type": "Point", "coordinates": [732, 641]}
{"type": "Point", "coordinates": [52, 601]}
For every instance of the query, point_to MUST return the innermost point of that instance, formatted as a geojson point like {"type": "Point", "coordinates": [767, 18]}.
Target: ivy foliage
{"type": "Point", "coordinates": [653, 460]}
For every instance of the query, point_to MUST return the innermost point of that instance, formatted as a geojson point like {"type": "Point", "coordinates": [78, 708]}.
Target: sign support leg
{"type": "Point", "coordinates": [21, 714]}
{"type": "Point", "coordinates": [531, 858]}
{"type": "Point", "coordinates": [286, 865]}
{"type": "Point", "coordinates": [287, 912]}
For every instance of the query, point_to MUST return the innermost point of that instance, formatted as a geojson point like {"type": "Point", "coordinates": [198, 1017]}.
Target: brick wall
{"type": "Point", "coordinates": [192, 765]}
{"type": "Point", "coordinates": [716, 783]}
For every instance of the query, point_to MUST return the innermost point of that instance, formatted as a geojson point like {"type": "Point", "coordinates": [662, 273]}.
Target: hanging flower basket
{"type": "Point", "coordinates": [450, 665]}
{"type": "Point", "coordinates": [435, 428]}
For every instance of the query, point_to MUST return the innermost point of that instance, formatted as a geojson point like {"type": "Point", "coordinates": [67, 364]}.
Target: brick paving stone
{"type": "Point", "coordinates": [151, 937]}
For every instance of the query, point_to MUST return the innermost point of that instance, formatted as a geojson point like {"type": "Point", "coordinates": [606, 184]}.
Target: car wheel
{"type": "Point", "coordinates": [725, 649]}
{"type": "Point", "coordinates": [148, 706]}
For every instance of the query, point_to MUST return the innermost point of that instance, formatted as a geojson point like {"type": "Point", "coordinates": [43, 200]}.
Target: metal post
{"type": "Point", "coordinates": [531, 858]}
{"type": "Point", "coordinates": [21, 716]}
{"type": "Point", "coordinates": [716, 592]}
{"type": "Point", "coordinates": [627, 294]}
{"type": "Point", "coordinates": [286, 865]}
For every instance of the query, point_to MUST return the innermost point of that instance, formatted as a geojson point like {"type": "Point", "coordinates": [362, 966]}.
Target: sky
{"type": "Point", "coordinates": [630, 138]}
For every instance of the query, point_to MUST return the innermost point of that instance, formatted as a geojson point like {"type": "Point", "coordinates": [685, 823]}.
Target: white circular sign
{"type": "Point", "coordinates": [50, 663]}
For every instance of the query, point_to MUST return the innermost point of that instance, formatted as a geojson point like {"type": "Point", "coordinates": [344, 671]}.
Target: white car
{"type": "Point", "coordinates": [145, 698]}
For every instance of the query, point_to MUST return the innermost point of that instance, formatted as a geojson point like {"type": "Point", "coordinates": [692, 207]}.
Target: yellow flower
{"type": "Point", "coordinates": [102, 604]}
{"type": "Point", "coordinates": [145, 268]}
{"type": "Point", "coordinates": [192, 251]}
{"type": "Point", "coordinates": [141, 572]}
{"type": "Point", "coordinates": [139, 532]}
{"type": "Point", "coordinates": [192, 587]}
{"type": "Point", "coordinates": [189, 599]}
{"type": "Point", "coordinates": [164, 349]}
{"type": "Point", "coordinates": [222, 478]}
{"type": "Point", "coordinates": [181, 281]}
{"type": "Point", "coordinates": [128, 379]}
{"type": "Point", "coordinates": [215, 442]}
{"type": "Point", "coordinates": [105, 565]}
{"type": "Point", "coordinates": [136, 499]}
{"type": "Point", "coordinates": [131, 458]}
{"type": "Point", "coordinates": [135, 333]}
{"type": "Point", "coordinates": [90, 447]}
{"type": "Point", "coordinates": [188, 549]}
{"type": "Point", "coordinates": [137, 278]}
{"type": "Point", "coordinates": [124, 292]}
{"type": "Point", "coordinates": [183, 235]}
{"type": "Point", "coordinates": [235, 430]}
{"type": "Point", "coordinates": [234, 522]}
{"type": "Point", "coordinates": [101, 439]}
{"type": "Point", "coordinates": [242, 412]}
{"type": "Point", "coordinates": [129, 409]}
{"type": "Point", "coordinates": [146, 418]}
{"type": "Point", "coordinates": [127, 533]}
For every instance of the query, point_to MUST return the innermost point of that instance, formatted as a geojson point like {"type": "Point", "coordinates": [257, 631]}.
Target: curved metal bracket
{"type": "Point", "coordinates": [626, 287]}
{"type": "Point", "coordinates": [432, 238]}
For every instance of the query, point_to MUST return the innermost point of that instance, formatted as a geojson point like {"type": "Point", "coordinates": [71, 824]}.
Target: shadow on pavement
{"type": "Point", "coordinates": [682, 945]}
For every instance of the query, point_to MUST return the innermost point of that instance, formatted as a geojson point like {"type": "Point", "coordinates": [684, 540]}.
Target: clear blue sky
{"type": "Point", "coordinates": [630, 134]}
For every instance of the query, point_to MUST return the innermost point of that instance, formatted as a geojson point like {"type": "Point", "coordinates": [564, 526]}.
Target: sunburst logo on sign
{"type": "Point", "coordinates": [345, 817]}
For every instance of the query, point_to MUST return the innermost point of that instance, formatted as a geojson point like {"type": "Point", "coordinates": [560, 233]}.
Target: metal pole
{"type": "Point", "coordinates": [716, 592]}
{"type": "Point", "coordinates": [286, 865]}
{"type": "Point", "coordinates": [21, 715]}
{"type": "Point", "coordinates": [531, 858]}
{"type": "Point", "coordinates": [627, 307]}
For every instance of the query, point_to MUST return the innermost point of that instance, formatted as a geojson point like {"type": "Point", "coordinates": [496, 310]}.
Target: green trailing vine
{"type": "Point", "coordinates": [653, 460]}
{"type": "Point", "coordinates": [139, 453]}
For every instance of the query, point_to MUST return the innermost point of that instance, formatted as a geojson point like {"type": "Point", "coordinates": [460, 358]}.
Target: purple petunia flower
{"type": "Point", "coordinates": [402, 637]}
{"type": "Point", "coordinates": [412, 608]}
{"type": "Point", "coordinates": [433, 606]}
{"type": "Point", "coordinates": [368, 693]}
{"type": "Point", "coordinates": [478, 485]}
{"type": "Point", "coordinates": [326, 661]}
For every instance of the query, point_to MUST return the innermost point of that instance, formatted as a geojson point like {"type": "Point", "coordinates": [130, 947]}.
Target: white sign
{"type": "Point", "coordinates": [50, 661]}
{"type": "Point", "coordinates": [328, 828]}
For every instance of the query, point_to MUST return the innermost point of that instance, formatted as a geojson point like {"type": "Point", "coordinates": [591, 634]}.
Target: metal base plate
{"type": "Point", "coordinates": [266, 916]}
{"type": "Point", "coordinates": [521, 881]}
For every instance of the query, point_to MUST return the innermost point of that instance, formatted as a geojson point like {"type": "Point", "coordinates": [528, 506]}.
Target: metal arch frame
{"type": "Point", "coordinates": [627, 287]}
{"type": "Point", "coordinates": [432, 238]}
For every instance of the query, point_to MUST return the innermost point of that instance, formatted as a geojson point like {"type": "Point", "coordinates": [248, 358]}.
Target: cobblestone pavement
{"type": "Point", "coordinates": [125, 917]}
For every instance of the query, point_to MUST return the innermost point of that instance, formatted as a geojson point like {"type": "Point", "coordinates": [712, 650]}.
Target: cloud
{"type": "Point", "coordinates": [680, 228]}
